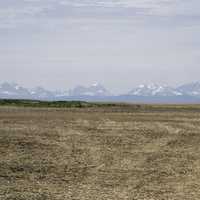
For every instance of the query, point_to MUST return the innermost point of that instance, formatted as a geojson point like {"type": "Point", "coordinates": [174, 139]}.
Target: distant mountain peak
{"type": "Point", "coordinates": [191, 89]}
{"type": "Point", "coordinates": [96, 84]}
{"type": "Point", "coordinates": [142, 93]}
{"type": "Point", "coordinates": [95, 89]}
{"type": "Point", "coordinates": [154, 90]}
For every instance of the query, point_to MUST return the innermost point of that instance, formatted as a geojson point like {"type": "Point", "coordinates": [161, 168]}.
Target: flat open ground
{"type": "Point", "coordinates": [119, 153]}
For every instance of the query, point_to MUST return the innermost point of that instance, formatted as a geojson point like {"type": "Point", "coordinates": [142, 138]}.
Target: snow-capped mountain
{"type": "Point", "coordinates": [15, 91]}
{"type": "Point", "coordinates": [154, 90]}
{"type": "Point", "coordinates": [191, 89]}
{"type": "Point", "coordinates": [12, 90]}
{"type": "Point", "coordinates": [95, 89]}
{"type": "Point", "coordinates": [152, 93]}
{"type": "Point", "coordinates": [60, 94]}
{"type": "Point", "coordinates": [41, 93]}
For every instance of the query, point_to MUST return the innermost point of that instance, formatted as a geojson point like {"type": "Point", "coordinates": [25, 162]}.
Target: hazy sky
{"type": "Point", "coordinates": [119, 43]}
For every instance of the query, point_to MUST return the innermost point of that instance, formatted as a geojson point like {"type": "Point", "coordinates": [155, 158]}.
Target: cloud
{"type": "Point", "coordinates": [153, 7]}
{"type": "Point", "coordinates": [15, 13]}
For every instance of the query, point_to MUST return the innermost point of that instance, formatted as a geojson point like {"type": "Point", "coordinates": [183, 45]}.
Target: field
{"type": "Point", "coordinates": [116, 152]}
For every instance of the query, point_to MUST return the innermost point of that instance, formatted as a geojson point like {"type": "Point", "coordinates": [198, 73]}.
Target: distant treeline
{"type": "Point", "coordinates": [53, 104]}
{"type": "Point", "coordinates": [104, 105]}
{"type": "Point", "coordinates": [35, 103]}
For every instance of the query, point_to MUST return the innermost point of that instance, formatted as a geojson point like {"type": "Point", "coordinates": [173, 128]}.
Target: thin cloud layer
{"type": "Point", "coordinates": [31, 8]}
{"type": "Point", "coordinates": [26, 12]}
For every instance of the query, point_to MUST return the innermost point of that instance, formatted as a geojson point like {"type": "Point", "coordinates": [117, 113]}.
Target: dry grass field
{"type": "Point", "coordinates": [119, 153]}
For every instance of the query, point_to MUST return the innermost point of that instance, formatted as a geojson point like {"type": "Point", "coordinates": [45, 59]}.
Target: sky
{"type": "Point", "coordinates": [59, 44]}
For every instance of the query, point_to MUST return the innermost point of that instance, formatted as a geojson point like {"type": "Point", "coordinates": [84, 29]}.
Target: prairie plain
{"type": "Point", "coordinates": [124, 152]}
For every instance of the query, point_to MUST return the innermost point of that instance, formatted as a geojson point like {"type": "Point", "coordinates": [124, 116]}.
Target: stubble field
{"type": "Point", "coordinates": [111, 153]}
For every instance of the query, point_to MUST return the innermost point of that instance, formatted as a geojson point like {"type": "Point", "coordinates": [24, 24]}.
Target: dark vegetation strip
{"type": "Point", "coordinates": [84, 104]}
{"type": "Point", "coordinates": [53, 104]}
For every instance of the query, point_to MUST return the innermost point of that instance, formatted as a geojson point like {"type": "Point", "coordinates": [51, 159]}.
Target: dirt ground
{"type": "Point", "coordinates": [99, 154]}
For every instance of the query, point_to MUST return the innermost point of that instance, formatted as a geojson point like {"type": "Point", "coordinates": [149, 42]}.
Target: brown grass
{"type": "Point", "coordinates": [99, 154]}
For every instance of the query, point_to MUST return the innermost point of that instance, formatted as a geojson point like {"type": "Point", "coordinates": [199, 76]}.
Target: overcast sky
{"type": "Point", "coordinates": [59, 44]}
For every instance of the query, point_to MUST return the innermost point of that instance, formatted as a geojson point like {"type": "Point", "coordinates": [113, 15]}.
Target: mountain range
{"type": "Point", "coordinates": [152, 93]}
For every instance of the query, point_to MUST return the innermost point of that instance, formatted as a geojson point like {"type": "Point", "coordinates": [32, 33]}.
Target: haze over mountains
{"type": "Point", "coordinates": [152, 93]}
